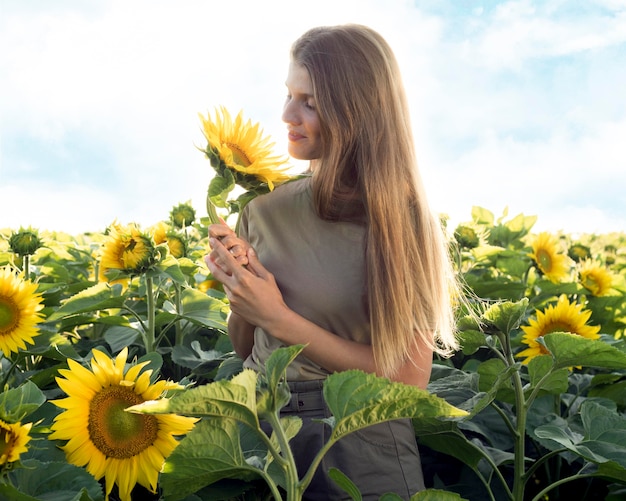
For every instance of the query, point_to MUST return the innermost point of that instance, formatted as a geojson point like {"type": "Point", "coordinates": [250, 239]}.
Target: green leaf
{"type": "Point", "coordinates": [570, 350]}
{"type": "Point", "coordinates": [346, 484]}
{"type": "Point", "coordinates": [604, 441]}
{"type": "Point", "coordinates": [210, 452]}
{"type": "Point", "coordinates": [277, 362]}
{"type": "Point", "coordinates": [357, 400]}
{"type": "Point", "coordinates": [203, 310]}
{"type": "Point", "coordinates": [170, 267]}
{"type": "Point", "coordinates": [482, 216]}
{"type": "Point", "coordinates": [195, 357]}
{"type": "Point", "coordinates": [17, 403]}
{"type": "Point", "coordinates": [220, 187]}
{"type": "Point", "coordinates": [495, 380]}
{"type": "Point", "coordinates": [471, 341]}
{"type": "Point", "coordinates": [98, 297]}
{"type": "Point", "coordinates": [61, 482]}
{"type": "Point", "coordinates": [507, 316]}
{"type": "Point", "coordinates": [555, 383]}
{"type": "Point", "coordinates": [120, 336]}
{"type": "Point", "coordinates": [453, 443]}
{"type": "Point", "coordinates": [436, 495]}
{"type": "Point", "coordinates": [234, 399]}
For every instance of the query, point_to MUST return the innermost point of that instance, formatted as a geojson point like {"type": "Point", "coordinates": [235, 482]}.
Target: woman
{"type": "Point", "coordinates": [349, 261]}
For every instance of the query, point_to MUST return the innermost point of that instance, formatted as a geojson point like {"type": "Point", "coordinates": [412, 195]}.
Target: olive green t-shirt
{"type": "Point", "coordinates": [318, 265]}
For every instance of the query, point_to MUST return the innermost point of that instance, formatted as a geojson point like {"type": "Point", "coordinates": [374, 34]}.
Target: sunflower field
{"type": "Point", "coordinates": [533, 407]}
{"type": "Point", "coordinates": [119, 381]}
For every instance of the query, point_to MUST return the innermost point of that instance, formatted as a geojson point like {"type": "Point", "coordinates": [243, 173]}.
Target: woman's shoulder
{"type": "Point", "coordinates": [287, 194]}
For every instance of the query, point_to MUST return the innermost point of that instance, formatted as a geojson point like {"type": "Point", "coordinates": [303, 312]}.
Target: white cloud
{"type": "Point", "coordinates": [129, 79]}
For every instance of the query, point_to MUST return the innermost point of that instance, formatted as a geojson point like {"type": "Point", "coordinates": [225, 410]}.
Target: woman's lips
{"type": "Point", "coordinates": [294, 136]}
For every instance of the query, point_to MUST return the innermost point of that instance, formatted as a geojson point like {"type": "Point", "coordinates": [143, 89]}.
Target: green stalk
{"type": "Point", "coordinates": [178, 327]}
{"type": "Point", "coordinates": [562, 481]}
{"type": "Point", "coordinates": [519, 477]}
{"type": "Point", "coordinates": [210, 208]}
{"type": "Point", "coordinates": [149, 339]}
{"type": "Point", "coordinates": [26, 266]}
{"type": "Point", "coordinates": [293, 487]}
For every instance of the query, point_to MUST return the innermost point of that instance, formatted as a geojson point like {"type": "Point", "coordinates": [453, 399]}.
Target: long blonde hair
{"type": "Point", "coordinates": [368, 167]}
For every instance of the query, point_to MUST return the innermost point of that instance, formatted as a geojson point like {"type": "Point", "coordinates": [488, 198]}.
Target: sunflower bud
{"type": "Point", "coordinates": [129, 249]}
{"type": "Point", "coordinates": [177, 245]}
{"type": "Point", "coordinates": [25, 242]}
{"type": "Point", "coordinates": [579, 252]}
{"type": "Point", "coordinates": [183, 215]}
{"type": "Point", "coordinates": [466, 237]}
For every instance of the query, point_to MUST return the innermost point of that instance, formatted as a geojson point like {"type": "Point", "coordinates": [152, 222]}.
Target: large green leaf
{"type": "Point", "coordinates": [17, 403]}
{"type": "Point", "coordinates": [357, 400]}
{"type": "Point", "coordinates": [570, 350]}
{"type": "Point", "coordinates": [604, 442]}
{"type": "Point", "coordinates": [540, 370]}
{"type": "Point", "coordinates": [52, 481]}
{"type": "Point", "coordinates": [198, 308]}
{"type": "Point", "coordinates": [98, 297]}
{"type": "Point", "coordinates": [506, 316]}
{"type": "Point", "coordinates": [210, 452]}
{"type": "Point", "coordinates": [234, 399]}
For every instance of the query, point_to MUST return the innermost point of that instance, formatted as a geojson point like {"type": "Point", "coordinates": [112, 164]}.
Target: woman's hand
{"type": "Point", "coordinates": [252, 291]}
{"type": "Point", "coordinates": [237, 247]}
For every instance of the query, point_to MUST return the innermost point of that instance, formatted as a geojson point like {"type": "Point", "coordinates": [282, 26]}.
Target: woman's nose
{"type": "Point", "coordinates": [289, 114]}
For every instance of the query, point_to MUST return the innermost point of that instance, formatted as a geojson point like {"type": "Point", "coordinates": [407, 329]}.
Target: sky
{"type": "Point", "coordinates": [518, 107]}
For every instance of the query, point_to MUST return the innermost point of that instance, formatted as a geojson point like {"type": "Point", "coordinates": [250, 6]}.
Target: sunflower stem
{"type": "Point", "coordinates": [291, 474]}
{"type": "Point", "coordinates": [210, 208]}
{"type": "Point", "coordinates": [150, 331]}
{"type": "Point", "coordinates": [26, 266]}
{"type": "Point", "coordinates": [519, 465]}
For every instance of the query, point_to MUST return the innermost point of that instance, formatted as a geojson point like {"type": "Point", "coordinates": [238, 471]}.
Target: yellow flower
{"type": "Point", "coordinates": [552, 263]}
{"type": "Point", "coordinates": [159, 232]}
{"type": "Point", "coordinates": [564, 317]}
{"type": "Point", "coordinates": [177, 245]}
{"type": "Point", "coordinates": [162, 233]}
{"type": "Point", "coordinates": [13, 440]}
{"type": "Point", "coordinates": [242, 148]}
{"type": "Point", "coordinates": [128, 249]}
{"type": "Point", "coordinates": [124, 448]}
{"type": "Point", "coordinates": [595, 278]}
{"type": "Point", "coordinates": [19, 312]}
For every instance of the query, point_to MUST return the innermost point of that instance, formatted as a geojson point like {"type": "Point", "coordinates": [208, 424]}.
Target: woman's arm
{"type": "Point", "coordinates": [255, 297]}
{"type": "Point", "coordinates": [241, 334]}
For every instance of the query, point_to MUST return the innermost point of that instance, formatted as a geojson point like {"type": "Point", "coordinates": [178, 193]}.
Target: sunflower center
{"type": "Point", "coordinates": [239, 156]}
{"type": "Point", "coordinates": [115, 432]}
{"type": "Point", "coordinates": [558, 327]}
{"type": "Point", "coordinates": [8, 315]}
{"type": "Point", "coordinates": [544, 259]}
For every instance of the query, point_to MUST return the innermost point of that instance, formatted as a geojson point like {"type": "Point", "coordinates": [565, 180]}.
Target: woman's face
{"type": "Point", "coordinates": [300, 115]}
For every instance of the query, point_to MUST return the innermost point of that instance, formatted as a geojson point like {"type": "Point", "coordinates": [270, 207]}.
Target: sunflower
{"type": "Point", "coordinates": [159, 232]}
{"type": "Point", "coordinates": [13, 440]}
{"type": "Point", "coordinates": [183, 215]}
{"type": "Point", "coordinates": [552, 263]}
{"type": "Point", "coordinates": [128, 249]}
{"type": "Point", "coordinates": [241, 148]}
{"type": "Point", "coordinates": [564, 317]}
{"type": "Point", "coordinates": [25, 242]}
{"type": "Point", "coordinates": [19, 312]}
{"type": "Point", "coordinates": [124, 448]}
{"type": "Point", "coordinates": [595, 278]}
